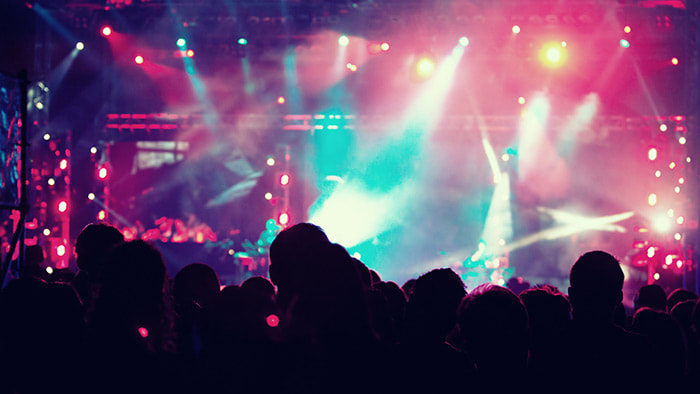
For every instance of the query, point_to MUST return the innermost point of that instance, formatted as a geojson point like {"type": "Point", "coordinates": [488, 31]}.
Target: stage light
{"type": "Point", "coordinates": [284, 218]}
{"type": "Point", "coordinates": [679, 264]}
{"type": "Point", "coordinates": [270, 161]}
{"type": "Point", "coordinates": [102, 173]}
{"type": "Point", "coordinates": [93, 150]}
{"type": "Point", "coordinates": [677, 189]}
{"type": "Point", "coordinates": [106, 31]}
{"type": "Point", "coordinates": [39, 105]}
{"type": "Point", "coordinates": [657, 174]}
{"type": "Point", "coordinates": [101, 215]}
{"type": "Point", "coordinates": [62, 206]}
{"type": "Point", "coordinates": [672, 165]}
{"type": "Point", "coordinates": [46, 232]}
{"type": "Point", "coordinates": [505, 157]}
{"type": "Point", "coordinates": [682, 140]}
{"type": "Point", "coordinates": [563, 44]}
{"type": "Point", "coordinates": [61, 250]}
{"type": "Point", "coordinates": [63, 164]}
{"type": "Point", "coordinates": [653, 154]}
{"type": "Point", "coordinates": [681, 180]}
{"type": "Point", "coordinates": [656, 276]}
{"type": "Point", "coordinates": [425, 67]}
{"type": "Point", "coordinates": [662, 224]}
{"type": "Point", "coordinates": [51, 181]}
{"type": "Point", "coordinates": [272, 320]}
{"type": "Point", "coordinates": [688, 159]}
{"type": "Point", "coordinates": [677, 236]}
{"type": "Point", "coordinates": [385, 46]}
{"type": "Point", "coordinates": [284, 179]}
{"type": "Point", "coordinates": [463, 41]}
{"type": "Point", "coordinates": [281, 100]}
{"type": "Point", "coordinates": [652, 199]}
{"type": "Point", "coordinates": [674, 61]}
{"type": "Point", "coordinates": [189, 53]}
{"type": "Point", "coordinates": [651, 252]}
{"type": "Point", "coordinates": [138, 59]}
{"type": "Point", "coordinates": [49, 270]}
{"type": "Point", "coordinates": [627, 29]}
{"type": "Point", "coordinates": [79, 46]}
{"type": "Point", "coordinates": [343, 41]}
{"type": "Point", "coordinates": [624, 43]}
{"type": "Point", "coordinates": [521, 100]}
{"type": "Point", "coordinates": [663, 128]}
{"type": "Point", "coordinates": [47, 136]}
{"type": "Point", "coordinates": [553, 54]}
{"type": "Point", "coordinates": [181, 42]}
{"type": "Point", "coordinates": [680, 220]}
{"type": "Point", "coordinates": [268, 196]}
{"type": "Point", "coordinates": [515, 29]}
{"type": "Point", "coordinates": [143, 332]}
{"type": "Point", "coordinates": [669, 259]}
{"type": "Point", "coordinates": [91, 196]}
{"type": "Point", "coordinates": [670, 212]}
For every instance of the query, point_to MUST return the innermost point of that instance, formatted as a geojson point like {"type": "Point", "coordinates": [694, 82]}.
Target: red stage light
{"type": "Point", "coordinates": [143, 332]}
{"type": "Point", "coordinates": [61, 250]}
{"type": "Point", "coordinates": [106, 31]}
{"type": "Point", "coordinates": [272, 320]}
{"type": "Point", "coordinates": [102, 173]}
{"type": "Point", "coordinates": [284, 218]}
{"type": "Point", "coordinates": [138, 59]}
{"type": "Point", "coordinates": [284, 179]}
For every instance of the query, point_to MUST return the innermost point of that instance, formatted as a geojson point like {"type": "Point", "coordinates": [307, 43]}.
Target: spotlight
{"type": "Point", "coordinates": [624, 43]}
{"type": "Point", "coordinates": [93, 150]}
{"type": "Point", "coordinates": [385, 46]}
{"type": "Point", "coordinates": [102, 173]}
{"type": "Point", "coordinates": [425, 67]}
{"type": "Point", "coordinates": [627, 29]}
{"type": "Point", "coordinates": [284, 179]}
{"type": "Point", "coordinates": [63, 164]}
{"type": "Point", "coordinates": [553, 54]}
{"type": "Point", "coordinates": [47, 136]}
{"type": "Point", "coordinates": [189, 53]}
{"type": "Point", "coordinates": [663, 127]}
{"type": "Point", "coordinates": [674, 61]}
{"type": "Point", "coordinates": [46, 232]}
{"type": "Point", "coordinates": [101, 215]}
{"type": "Point", "coordinates": [62, 206]}
{"type": "Point", "coordinates": [106, 31]}
{"type": "Point", "coordinates": [91, 196]}
{"type": "Point", "coordinates": [138, 59]}
{"type": "Point", "coordinates": [270, 161]}
{"type": "Point", "coordinates": [343, 41]}
{"type": "Point", "coordinates": [652, 154]}
{"type": "Point", "coordinates": [463, 41]}
{"type": "Point", "coordinates": [268, 196]}
{"type": "Point", "coordinates": [181, 42]}
{"type": "Point", "coordinates": [79, 46]}
{"type": "Point", "coordinates": [280, 100]}
{"type": "Point", "coordinates": [242, 41]}
{"type": "Point", "coordinates": [521, 100]}
{"type": "Point", "coordinates": [651, 199]}
{"type": "Point", "coordinates": [61, 250]}
{"type": "Point", "coordinates": [284, 218]}
{"type": "Point", "coordinates": [516, 29]}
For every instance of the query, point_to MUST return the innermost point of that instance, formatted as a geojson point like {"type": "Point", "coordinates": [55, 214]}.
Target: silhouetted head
{"type": "Point", "coordinates": [197, 283]}
{"type": "Point", "coordinates": [432, 309]}
{"type": "Point", "coordinates": [595, 286]}
{"type": "Point", "coordinates": [679, 295]}
{"type": "Point", "coordinates": [667, 339]}
{"type": "Point", "coordinates": [494, 325]}
{"type": "Point", "coordinates": [288, 253]}
{"type": "Point", "coordinates": [547, 308]}
{"type": "Point", "coordinates": [259, 285]}
{"type": "Point", "coordinates": [34, 254]}
{"type": "Point", "coordinates": [92, 245]}
{"type": "Point", "coordinates": [408, 287]}
{"type": "Point", "coordinates": [650, 296]}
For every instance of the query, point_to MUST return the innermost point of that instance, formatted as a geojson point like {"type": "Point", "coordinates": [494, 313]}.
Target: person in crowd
{"type": "Point", "coordinates": [549, 314]}
{"type": "Point", "coordinates": [494, 325]}
{"type": "Point", "coordinates": [424, 358]}
{"type": "Point", "coordinates": [91, 249]}
{"type": "Point", "coordinates": [600, 354]}
{"type": "Point", "coordinates": [650, 296]}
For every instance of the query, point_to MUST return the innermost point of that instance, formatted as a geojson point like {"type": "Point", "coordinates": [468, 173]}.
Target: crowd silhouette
{"type": "Point", "coordinates": [325, 323]}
